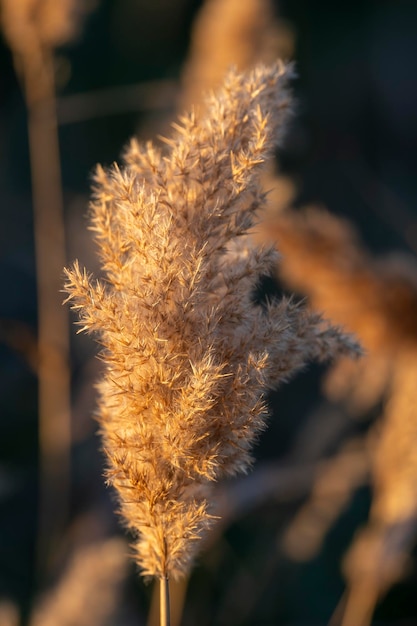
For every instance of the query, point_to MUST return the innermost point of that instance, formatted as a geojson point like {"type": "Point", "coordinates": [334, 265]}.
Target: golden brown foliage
{"type": "Point", "coordinates": [188, 352]}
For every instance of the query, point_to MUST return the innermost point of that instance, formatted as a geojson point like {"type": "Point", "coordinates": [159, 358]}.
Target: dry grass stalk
{"type": "Point", "coordinates": [232, 33]}
{"type": "Point", "coordinates": [376, 299]}
{"type": "Point", "coordinates": [89, 589]}
{"type": "Point", "coordinates": [31, 24]}
{"type": "Point", "coordinates": [9, 613]}
{"type": "Point", "coordinates": [188, 354]}
{"type": "Point", "coordinates": [379, 556]}
{"type": "Point", "coordinates": [33, 28]}
{"type": "Point", "coordinates": [335, 481]}
{"type": "Point", "coordinates": [177, 595]}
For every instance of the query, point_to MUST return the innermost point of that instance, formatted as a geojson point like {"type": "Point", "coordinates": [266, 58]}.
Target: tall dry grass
{"type": "Point", "coordinates": [33, 30]}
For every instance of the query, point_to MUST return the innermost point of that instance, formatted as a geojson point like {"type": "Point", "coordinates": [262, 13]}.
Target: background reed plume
{"type": "Point", "coordinates": [188, 353]}
{"type": "Point", "coordinates": [377, 299]}
{"type": "Point", "coordinates": [228, 33]}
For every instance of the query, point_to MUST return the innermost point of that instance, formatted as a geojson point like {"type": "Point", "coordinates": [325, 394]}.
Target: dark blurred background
{"type": "Point", "coordinates": [352, 147]}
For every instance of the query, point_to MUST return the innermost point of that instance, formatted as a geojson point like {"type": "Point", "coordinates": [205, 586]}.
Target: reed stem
{"type": "Point", "coordinates": [53, 326]}
{"type": "Point", "coordinates": [165, 612]}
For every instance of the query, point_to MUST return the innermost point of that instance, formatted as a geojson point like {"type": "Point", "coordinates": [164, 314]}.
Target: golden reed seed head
{"type": "Point", "coordinates": [188, 353]}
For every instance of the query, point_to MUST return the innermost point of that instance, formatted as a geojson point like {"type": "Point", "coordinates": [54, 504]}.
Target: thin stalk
{"type": "Point", "coordinates": [359, 607]}
{"type": "Point", "coordinates": [53, 329]}
{"type": "Point", "coordinates": [165, 609]}
{"type": "Point", "coordinates": [337, 614]}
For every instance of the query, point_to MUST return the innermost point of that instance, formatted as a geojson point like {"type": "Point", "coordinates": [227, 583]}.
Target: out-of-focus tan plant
{"type": "Point", "coordinates": [376, 299]}
{"type": "Point", "coordinates": [334, 481]}
{"type": "Point", "coordinates": [33, 29]}
{"type": "Point", "coordinates": [34, 26]}
{"type": "Point", "coordinates": [9, 613]}
{"type": "Point", "coordinates": [89, 590]}
{"type": "Point", "coordinates": [230, 33]}
{"type": "Point", "coordinates": [188, 353]}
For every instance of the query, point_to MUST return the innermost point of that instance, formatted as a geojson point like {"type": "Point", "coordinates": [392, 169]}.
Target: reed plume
{"type": "Point", "coordinates": [188, 353]}
{"type": "Point", "coordinates": [376, 299]}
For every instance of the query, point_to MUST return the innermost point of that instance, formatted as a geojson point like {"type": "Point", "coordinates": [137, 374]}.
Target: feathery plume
{"type": "Point", "coordinates": [188, 352]}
